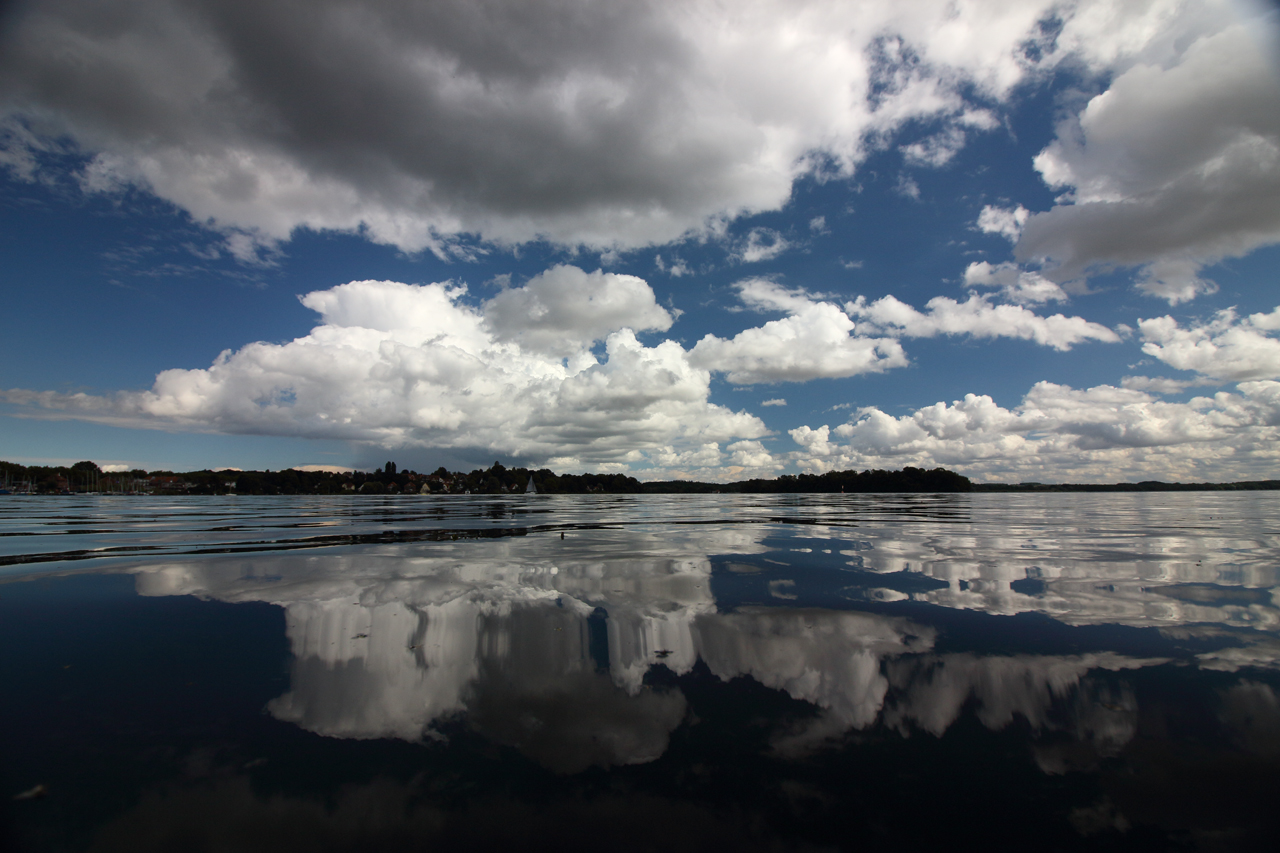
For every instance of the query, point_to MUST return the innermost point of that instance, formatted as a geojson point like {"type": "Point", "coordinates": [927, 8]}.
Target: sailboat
{"type": "Point", "coordinates": [531, 489]}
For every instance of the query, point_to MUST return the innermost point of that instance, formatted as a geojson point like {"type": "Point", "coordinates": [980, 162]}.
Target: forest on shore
{"type": "Point", "coordinates": [87, 478]}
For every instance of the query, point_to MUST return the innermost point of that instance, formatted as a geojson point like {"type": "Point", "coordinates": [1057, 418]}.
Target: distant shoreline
{"type": "Point", "coordinates": [87, 478]}
{"type": "Point", "coordinates": [1144, 486]}
{"type": "Point", "coordinates": [684, 486]}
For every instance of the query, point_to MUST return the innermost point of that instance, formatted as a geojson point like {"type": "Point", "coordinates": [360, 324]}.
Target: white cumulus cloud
{"type": "Point", "coordinates": [761, 244]}
{"type": "Point", "coordinates": [1007, 222]}
{"type": "Point", "coordinates": [816, 340]}
{"type": "Point", "coordinates": [936, 150]}
{"type": "Point", "coordinates": [976, 316]}
{"type": "Point", "coordinates": [397, 364]}
{"type": "Point", "coordinates": [1226, 348]}
{"type": "Point", "coordinates": [565, 309]}
{"type": "Point", "coordinates": [1061, 434]}
{"type": "Point", "coordinates": [1022, 287]}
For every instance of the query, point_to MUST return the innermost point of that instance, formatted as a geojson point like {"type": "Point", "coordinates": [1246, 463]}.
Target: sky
{"type": "Point", "coordinates": [1028, 241]}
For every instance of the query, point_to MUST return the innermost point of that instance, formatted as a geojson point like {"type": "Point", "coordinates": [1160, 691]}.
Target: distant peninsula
{"type": "Point", "coordinates": [87, 478]}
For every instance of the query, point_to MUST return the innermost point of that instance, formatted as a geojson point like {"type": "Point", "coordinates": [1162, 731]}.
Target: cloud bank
{"type": "Point", "coordinates": [555, 372]}
{"type": "Point", "coordinates": [552, 371]}
{"type": "Point", "coordinates": [1061, 434]}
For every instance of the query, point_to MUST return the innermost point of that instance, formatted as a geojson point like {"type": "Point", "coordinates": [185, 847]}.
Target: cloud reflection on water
{"type": "Point", "coordinates": [512, 636]}
{"type": "Point", "coordinates": [1033, 670]}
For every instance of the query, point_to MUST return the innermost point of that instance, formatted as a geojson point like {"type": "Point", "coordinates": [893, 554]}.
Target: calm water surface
{"type": "Point", "coordinates": [755, 672]}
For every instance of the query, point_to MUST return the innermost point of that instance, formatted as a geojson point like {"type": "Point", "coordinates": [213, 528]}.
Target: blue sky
{"type": "Point", "coordinates": [675, 240]}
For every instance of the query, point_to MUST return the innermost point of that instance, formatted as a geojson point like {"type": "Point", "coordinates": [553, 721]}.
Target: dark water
{"type": "Point", "coordinates": [670, 673]}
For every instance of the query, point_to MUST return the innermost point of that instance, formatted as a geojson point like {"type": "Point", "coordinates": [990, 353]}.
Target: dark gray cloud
{"type": "Point", "coordinates": [418, 119]}
{"type": "Point", "coordinates": [583, 122]}
{"type": "Point", "coordinates": [1175, 166]}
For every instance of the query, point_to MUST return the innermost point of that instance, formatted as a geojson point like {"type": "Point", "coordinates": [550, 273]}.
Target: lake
{"type": "Point", "coordinates": [657, 672]}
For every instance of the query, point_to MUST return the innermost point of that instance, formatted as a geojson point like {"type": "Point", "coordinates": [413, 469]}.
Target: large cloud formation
{"type": "Point", "coordinates": [524, 373]}
{"type": "Point", "coordinates": [403, 365]}
{"type": "Point", "coordinates": [596, 123]}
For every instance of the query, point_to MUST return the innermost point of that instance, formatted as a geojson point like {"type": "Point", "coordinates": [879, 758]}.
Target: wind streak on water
{"type": "Point", "coordinates": [46, 529]}
{"type": "Point", "coordinates": [1088, 557]}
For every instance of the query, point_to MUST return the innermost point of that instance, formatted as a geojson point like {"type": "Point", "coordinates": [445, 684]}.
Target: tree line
{"type": "Point", "coordinates": [87, 477]}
